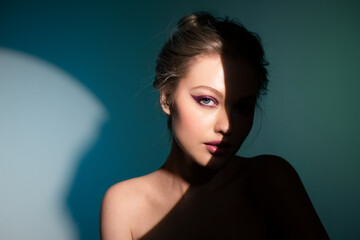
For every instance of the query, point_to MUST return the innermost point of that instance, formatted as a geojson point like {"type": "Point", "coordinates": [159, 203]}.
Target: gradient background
{"type": "Point", "coordinates": [78, 113]}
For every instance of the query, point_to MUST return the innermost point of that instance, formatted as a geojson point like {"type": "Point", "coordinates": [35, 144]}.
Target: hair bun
{"type": "Point", "coordinates": [197, 19]}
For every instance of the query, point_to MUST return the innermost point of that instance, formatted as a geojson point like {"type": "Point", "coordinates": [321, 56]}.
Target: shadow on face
{"type": "Point", "coordinates": [217, 205]}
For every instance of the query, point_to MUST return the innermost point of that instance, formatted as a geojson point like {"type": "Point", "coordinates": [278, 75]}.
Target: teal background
{"type": "Point", "coordinates": [310, 116]}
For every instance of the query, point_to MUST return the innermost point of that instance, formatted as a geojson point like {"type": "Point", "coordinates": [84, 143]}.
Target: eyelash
{"type": "Point", "coordinates": [200, 100]}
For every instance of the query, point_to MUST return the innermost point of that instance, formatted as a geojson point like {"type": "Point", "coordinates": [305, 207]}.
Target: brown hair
{"type": "Point", "coordinates": [203, 34]}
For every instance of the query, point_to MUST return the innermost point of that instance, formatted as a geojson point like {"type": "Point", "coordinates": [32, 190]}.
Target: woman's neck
{"type": "Point", "coordinates": [187, 170]}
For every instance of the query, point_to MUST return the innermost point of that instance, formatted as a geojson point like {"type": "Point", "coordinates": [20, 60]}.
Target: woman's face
{"type": "Point", "coordinates": [214, 109]}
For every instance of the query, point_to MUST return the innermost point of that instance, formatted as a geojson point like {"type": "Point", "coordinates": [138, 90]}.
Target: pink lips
{"type": "Point", "coordinates": [217, 147]}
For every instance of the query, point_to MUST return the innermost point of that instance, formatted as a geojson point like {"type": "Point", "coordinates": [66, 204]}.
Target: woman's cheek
{"type": "Point", "coordinates": [243, 126]}
{"type": "Point", "coordinates": [191, 123]}
{"type": "Point", "coordinates": [189, 120]}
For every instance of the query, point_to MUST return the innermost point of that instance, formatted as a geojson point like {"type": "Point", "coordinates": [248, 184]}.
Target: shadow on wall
{"type": "Point", "coordinates": [48, 121]}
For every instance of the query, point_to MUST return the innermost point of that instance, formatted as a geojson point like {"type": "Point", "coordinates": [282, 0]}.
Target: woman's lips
{"type": "Point", "coordinates": [218, 147]}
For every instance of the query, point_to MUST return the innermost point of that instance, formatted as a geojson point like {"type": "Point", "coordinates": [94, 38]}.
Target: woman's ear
{"type": "Point", "coordinates": [164, 103]}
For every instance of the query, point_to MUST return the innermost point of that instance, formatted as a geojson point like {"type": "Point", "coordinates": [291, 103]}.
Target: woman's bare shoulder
{"type": "Point", "coordinates": [131, 193]}
{"type": "Point", "coordinates": [122, 206]}
{"type": "Point", "coordinates": [264, 161]}
{"type": "Point", "coordinates": [278, 189]}
{"type": "Point", "coordinates": [270, 173]}
{"type": "Point", "coordinates": [129, 188]}
{"type": "Point", "coordinates": [266, 167]}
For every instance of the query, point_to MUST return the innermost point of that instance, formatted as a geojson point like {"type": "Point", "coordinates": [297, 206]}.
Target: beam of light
{"type": "Point", "coordinates": [47, 123]}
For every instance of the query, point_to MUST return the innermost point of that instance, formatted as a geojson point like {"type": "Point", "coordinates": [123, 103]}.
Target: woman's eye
{"type": "Point", "coordinates": [206, 101]}
{"type": "Point", "coordinates": [245, 108]}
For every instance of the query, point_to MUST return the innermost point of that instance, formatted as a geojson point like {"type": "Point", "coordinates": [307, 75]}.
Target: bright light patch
{"type": "Point", "coordinates": [47, 123]}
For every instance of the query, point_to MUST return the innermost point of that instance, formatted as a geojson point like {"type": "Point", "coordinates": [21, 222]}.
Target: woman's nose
{"type": "Point", "coordinates": [223, 122]}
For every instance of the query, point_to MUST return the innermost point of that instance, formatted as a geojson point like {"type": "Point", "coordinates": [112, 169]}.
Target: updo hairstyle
{"type": "Point", "coordinates": [203, 34]}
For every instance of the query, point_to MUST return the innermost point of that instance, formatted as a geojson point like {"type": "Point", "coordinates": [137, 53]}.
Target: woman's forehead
{"type": "Point", "coordinates": [227, 76]}
{"type": "Point", "coordinates": [205, 70]}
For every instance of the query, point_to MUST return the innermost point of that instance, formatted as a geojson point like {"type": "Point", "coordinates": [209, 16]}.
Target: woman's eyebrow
{"type": "Point", "coordinates": [215, 91]}
{"type": "Point", "coordinates": [220, 94]}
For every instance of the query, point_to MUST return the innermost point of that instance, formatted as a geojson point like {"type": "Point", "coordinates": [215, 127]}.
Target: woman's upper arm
{"type": "Point", "coordinates": [114, 222]}
{"type": "Point", "coordinates": [279, 190]}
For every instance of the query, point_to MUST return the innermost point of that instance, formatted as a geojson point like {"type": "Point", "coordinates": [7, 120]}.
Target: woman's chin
{"type": "Point", "coordinates": [217, 162]}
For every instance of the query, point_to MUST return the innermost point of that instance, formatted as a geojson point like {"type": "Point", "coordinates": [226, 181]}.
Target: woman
{"type": "Point", "coordinates": [210, 75]}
